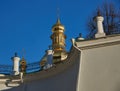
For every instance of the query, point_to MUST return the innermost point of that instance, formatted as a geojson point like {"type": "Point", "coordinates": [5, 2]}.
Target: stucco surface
{"type": "Point", "coordinates": [100, 69]}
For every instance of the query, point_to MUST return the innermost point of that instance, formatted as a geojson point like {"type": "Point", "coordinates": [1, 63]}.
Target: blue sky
{"type": "Point", "coordinates": [26, 24]}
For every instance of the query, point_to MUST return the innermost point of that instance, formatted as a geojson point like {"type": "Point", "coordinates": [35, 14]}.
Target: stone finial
{"type": "Point", "coordinates": [15, 60]}
{"type": "Point", "coordinates": [99, 22]}
{"type": "Point", "coordinates": [80, 37]}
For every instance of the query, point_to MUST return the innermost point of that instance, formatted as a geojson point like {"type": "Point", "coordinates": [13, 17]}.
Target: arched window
{"type": "Point", "coordinates": [56, 39]}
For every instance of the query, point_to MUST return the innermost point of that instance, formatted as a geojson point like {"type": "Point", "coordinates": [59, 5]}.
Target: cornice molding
{"type": "Point", "coordinates": [100, 45]}
{"type": "Point", "coordinates": [96, 43]}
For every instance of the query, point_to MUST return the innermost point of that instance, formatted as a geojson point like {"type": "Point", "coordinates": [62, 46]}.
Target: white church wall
{"type": "Point", "coordinates": [100, 69]}
{"type": "Point", "coordinates": [93, 67]}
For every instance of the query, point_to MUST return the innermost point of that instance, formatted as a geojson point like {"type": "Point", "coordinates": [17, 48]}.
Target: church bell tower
{"type": "Point", "coordinates": [58, 39]}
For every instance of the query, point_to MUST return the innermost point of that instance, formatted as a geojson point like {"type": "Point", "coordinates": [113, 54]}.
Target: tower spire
{"type": "Point", "coordinates": [58, 16]}
{"type": "Point", "coordinates": [58, 21]}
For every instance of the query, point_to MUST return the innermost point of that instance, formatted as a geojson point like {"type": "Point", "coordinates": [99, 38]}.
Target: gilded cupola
{"type": "Point", "coordinates": [58, 37]}
{"type": "Point", "coordinates": [23, 65]}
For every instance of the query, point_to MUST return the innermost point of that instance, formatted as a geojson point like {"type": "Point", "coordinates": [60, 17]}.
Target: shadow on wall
{"type": "Point", "coordinates": [63, 81]}
{"type": "Point", "coordinates": [117, 87]}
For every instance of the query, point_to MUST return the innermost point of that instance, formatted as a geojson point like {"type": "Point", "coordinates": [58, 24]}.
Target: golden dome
{"type": "Point", "coordinates": [23, 65]}
{"type": "Point", "coordinates": [58, 23]}
{"type": "Point", "coordinates": [23, 61]}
